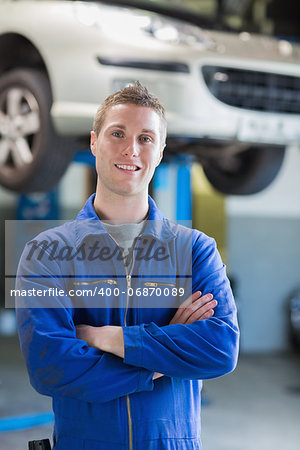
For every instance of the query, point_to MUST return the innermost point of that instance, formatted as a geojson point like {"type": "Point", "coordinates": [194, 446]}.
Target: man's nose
{"type": "Point", "coordinates": [131, 148]}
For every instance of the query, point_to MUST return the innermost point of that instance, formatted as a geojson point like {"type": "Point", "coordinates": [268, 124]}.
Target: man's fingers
{"type": "Point", "coordinates": [192, 298]}
{"type": "Point", "coordinates": [198, 316]}
{"type": "Point", "coordinates": [195, 307]}
{"type": "Point", "coordinates": [202, 305]}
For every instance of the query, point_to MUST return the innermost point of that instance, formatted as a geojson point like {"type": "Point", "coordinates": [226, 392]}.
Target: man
{"type": "Point", "coordinates": [124, 367]}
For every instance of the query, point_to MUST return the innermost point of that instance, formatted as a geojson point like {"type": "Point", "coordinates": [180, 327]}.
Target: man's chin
{"type": "Point", "coordinates": [129, 192]}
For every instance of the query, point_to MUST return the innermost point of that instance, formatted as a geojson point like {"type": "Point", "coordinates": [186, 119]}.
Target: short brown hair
{"type": "Point", "coordinates": [135, 94]}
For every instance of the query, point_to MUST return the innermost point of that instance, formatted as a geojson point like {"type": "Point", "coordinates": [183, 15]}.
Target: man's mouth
{"type": "Point", "coordinates": [127, 167]}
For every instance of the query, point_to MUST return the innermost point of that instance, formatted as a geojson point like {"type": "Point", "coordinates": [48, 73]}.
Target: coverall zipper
{"type": "Point", "coordinates": [95, 282]}
{"type": "Point", "coordinates": [128, 280]}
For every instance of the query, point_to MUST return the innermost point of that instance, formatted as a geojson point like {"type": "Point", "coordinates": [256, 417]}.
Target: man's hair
{"type": "Point", "coordinates": [135, 94]}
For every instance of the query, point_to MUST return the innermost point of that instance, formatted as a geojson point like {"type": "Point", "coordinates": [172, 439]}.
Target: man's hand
{"type": "Point", "coordinates": [108, 338]}
{"type": "Point", "coordinates": [195, 307]}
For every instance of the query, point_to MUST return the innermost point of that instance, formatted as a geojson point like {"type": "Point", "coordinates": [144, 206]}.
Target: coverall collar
{"type": "Point", "coordinates": [156, 225]}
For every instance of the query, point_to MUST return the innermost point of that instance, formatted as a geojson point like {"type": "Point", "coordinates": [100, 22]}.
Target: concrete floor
{"type": "Point", "coordinates": [255, 408]}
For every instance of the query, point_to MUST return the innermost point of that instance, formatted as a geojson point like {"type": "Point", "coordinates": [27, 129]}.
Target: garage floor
{"type": "Point", "coordinates": [255, 408]}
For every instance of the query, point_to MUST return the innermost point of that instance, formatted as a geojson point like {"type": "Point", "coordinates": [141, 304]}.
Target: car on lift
{"type": "Point", "coordinates": [232, 99]}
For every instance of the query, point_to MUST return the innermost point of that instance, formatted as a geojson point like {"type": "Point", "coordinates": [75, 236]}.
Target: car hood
{"type": "Point", "coordinates": [254, 46]}
{"type": "Point", "coordinates": [227, 42]}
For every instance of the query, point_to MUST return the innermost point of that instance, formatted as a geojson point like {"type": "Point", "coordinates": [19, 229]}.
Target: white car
{"type": "Point", "coordinates": [233, 100]}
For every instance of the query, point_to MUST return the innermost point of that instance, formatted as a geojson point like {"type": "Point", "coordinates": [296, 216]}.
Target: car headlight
{"type": "Point", "coordinates": [178, 32]}
{"type": "Point", "coordinates": [128, 23]}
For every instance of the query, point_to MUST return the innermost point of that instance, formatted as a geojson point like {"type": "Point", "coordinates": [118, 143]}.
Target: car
{"type": "Point", "coordinates": [232, 99]}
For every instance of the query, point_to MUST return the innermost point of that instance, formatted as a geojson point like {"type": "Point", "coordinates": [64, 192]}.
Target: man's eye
{"type": "Point", "coordinates": [145, 139]}
{"type": "Point", "coordinates": [117, 133]}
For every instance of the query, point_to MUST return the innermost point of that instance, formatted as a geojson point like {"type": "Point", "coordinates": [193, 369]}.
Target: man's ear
{"type": "Point", "coordinates": [93, 142]}
{"type": "Point", "coordinates": [160, 155]}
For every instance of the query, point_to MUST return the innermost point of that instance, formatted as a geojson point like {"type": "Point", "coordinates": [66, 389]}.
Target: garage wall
{"type": "Point", "coordinates": [264, 257]}
{"type": "Point", "coordinates": [7, 212]}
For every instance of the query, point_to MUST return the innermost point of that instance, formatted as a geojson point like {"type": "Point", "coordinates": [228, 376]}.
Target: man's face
{"type": "Point", "coordinates": [127, 149]}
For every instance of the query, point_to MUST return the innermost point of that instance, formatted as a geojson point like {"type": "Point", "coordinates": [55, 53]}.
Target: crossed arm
{"type": "Point", "coordinates": [65, 361]}
{"type": "Point", "coordinates": [110, 338]}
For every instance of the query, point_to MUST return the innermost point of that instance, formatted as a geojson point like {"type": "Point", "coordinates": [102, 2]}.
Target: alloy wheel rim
{"type": "Point", "coordinates": [19, 128]}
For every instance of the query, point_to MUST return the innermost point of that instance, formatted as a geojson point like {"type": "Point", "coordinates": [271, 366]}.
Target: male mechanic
{"type": "Point", "coordinates": [124, 367]}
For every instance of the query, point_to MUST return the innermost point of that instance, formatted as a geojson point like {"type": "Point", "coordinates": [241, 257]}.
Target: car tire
{"type": "Point", "coordinates": [245, 173]}
{"type": "Point", "coordinates": [294, 318]}
{"type": "Point", "coordinates": [32, 156]}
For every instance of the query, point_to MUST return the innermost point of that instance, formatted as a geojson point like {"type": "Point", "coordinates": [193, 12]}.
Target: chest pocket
{"type": "Point", "coordinates": [99, 293]}
{"type": "Point", "coordinates": [155, 294]}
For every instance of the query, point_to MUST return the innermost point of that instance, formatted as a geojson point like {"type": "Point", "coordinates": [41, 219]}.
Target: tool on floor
{"type": "Point", "coordinates": [43, 444]}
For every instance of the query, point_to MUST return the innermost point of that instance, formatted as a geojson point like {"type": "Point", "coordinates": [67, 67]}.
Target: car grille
{"type": "Point", "coordinates": [249, 89]}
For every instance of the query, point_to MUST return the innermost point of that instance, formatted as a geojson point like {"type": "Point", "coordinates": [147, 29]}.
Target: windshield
{"type": "Point", "coordinates": [211, 14]}
{"type": "Point", "coordinates": [178, 9]}
{"type": "Point", "coordinates": [235, 15]}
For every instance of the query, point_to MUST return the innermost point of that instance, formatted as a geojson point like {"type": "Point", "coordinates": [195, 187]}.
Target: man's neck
{"type": "Point", "coordinates": [121, 209]}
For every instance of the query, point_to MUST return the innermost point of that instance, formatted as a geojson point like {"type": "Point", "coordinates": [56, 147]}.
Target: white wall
{"type": "Point", "coordinates": [264, 257]}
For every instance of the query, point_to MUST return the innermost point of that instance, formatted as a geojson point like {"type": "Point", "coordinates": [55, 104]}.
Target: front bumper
{"type": "Point", "coordinates": [193, 111]}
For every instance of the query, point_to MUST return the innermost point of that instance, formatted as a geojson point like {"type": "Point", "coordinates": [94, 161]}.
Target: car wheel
{"type": "Point", "coordinates": [32, 156]}
{"type": "Point", "coordinates": [247, 172]}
